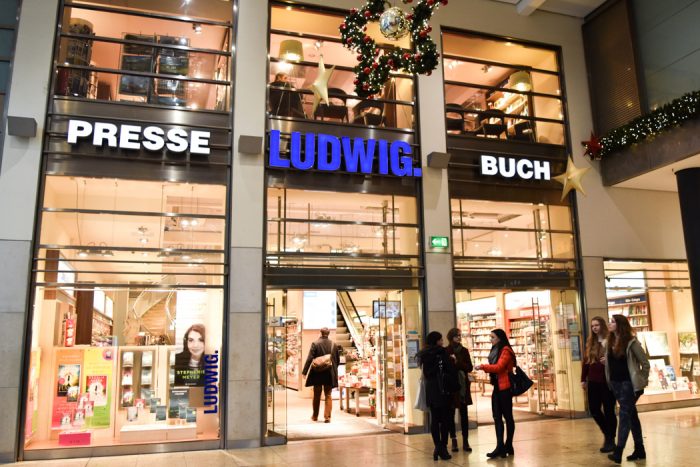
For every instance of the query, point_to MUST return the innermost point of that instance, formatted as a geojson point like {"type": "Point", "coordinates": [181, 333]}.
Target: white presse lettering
{"type": "Point", "coordinates": [153, 138]}
{"type": "Point", "coordinates": [78, 129]}
{"type": "Point", "coordinates": [199, 142]}
{"type": "Point", "coordinates": [104, 131]}
{"type": "Point", "coordinates": [177, 138]}
{"type": "Point", "coordinates": [129, 137]}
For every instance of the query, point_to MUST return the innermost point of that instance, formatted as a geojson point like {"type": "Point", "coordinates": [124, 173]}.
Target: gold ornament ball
{"type": "Point", "coordinates": [393, 24]}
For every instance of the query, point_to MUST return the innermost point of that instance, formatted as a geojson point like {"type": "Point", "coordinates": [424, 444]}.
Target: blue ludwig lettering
{"type": "Point", "coordinates": [211, 377]}
{"type": "Point", "coordinates": [329, 153]}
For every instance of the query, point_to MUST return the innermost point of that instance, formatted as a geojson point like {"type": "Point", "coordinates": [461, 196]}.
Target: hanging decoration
{"type": "Point", "coordinates": [373, 68]}
{"type": "Point", "coordinates": [571, 179]}
{"type": "Point", "coordinates": [666, 117]}
{"type": "Point", "coordinates": [593, 148]}
{"type": "Point", "coordinates": [320, 86]}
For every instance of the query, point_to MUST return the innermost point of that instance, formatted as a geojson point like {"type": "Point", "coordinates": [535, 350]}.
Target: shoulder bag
{"type": "Point", "coordinates": [519, 381]}
{"type": "Point", "coordinates": [324, 362]}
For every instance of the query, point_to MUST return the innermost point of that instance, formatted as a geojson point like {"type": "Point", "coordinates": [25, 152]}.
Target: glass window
{"type": "Point", "coordinates": [342, 228]}
{"type": "Point", "coordinates": [298, 39]}
{"type": "Point", "coordinates": [656, 299]}
{"type": "Point", "coordinates": [506, 235]}
{"type": "Point", "coordinates": [128, 310]}
{"type": "Point", "coordinates": [495, 88]}
{"type": "Point", "coordinates": [122, 54]}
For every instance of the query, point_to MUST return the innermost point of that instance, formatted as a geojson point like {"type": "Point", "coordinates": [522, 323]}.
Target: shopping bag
{"type": "Point", "coordinates": [421, 401]}
{"type": "Point", "coordinates": [519, 382]}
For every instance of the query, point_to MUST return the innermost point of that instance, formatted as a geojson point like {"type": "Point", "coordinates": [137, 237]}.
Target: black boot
{"type": "Point", "coordinates": [608, 446]}
{"type": "Point", "coordinates": [465, 444]}
{"type": "Point", "coordinates": [498, 452]}
{"type": "Point", "coordinates": [616, 456]}
{"type": "Point", "coordinates": [443, 454]}
{"type": "Point", "coordinates": [455, 448]}
{"type": "Point", "coordinates": [509, 449]}
{"type": "Point", "coordinates": [638, 454]}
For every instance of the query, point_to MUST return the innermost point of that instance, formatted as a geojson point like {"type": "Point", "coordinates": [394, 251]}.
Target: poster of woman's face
{"type": "Point", "coordinates": [189, 364]}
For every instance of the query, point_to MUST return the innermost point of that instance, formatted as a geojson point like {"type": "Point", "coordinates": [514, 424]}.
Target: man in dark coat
{"type": "Point", "coordinates": [324, 380]}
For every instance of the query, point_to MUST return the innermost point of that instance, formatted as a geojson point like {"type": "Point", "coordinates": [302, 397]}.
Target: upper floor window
{"type": "Point", "coordinates": [299, 37]}
{"type": "Point", "coordinates": [495, 88]}
{"type": "Point", "coordinates": [177, 57]}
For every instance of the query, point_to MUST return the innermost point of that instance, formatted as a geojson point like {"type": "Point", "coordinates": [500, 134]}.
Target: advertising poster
{"type": "Point", "coordinates": [98, 369]}
{"type": "Point", "coordinates": [320, 309]}
{"type": "Point", "coordinates": [179, 400]}
{"type": "Point", "coordinates": [68, 368]}
{"type": "Point", "coordinates": [688, 342]}
{"type": "Point", "coordinates": [31, 421]}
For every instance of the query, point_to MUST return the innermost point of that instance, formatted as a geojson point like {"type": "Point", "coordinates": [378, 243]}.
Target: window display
{"type": "Point", "coordinates": [118, 349]}
{"type": "Point", "coordinates": [656, 299]}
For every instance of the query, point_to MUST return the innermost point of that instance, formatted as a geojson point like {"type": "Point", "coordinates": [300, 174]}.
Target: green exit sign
{"type": "Point", "coordinates": [439, 242]}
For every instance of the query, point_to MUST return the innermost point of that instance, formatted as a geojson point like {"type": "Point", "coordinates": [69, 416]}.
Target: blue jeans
{"type": "Point", "coordinates": [629, 419]}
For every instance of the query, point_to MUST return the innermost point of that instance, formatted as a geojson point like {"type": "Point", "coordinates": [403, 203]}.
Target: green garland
{"type": "Point", "coordinates": [666, 117]}
{"type": "Point", "coordinates": [373, 69]}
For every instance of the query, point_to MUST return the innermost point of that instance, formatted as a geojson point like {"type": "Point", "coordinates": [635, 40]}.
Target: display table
{"type": "Point", "coordinates": [356, 392]}
{"type": "Point", "coordinates": [157, 432]}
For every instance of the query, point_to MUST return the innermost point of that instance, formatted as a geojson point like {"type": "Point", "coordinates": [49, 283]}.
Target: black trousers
{"type": "Point", "coordinates": [502, 408]}
{"type": "Point", "coordinates": [601, 397]}
{"type": "Point", "coordinates": [440, 424]}
{"type": "Point", "coordinates": [463, 422]}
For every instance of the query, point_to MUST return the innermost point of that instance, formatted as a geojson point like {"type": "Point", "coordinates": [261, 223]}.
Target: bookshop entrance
{"type": "Point", "coordinates": [378, 332]}
{"type": "Point", "coordinates": [544, 329]}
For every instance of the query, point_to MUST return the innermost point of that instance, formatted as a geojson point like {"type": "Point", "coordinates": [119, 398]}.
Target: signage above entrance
{"type": "Point", "coordinates": [510, 167]}
{"type": "Point", "coordinates": [354, 155]}
{"type": "Point", "coordinates": [151, 138]}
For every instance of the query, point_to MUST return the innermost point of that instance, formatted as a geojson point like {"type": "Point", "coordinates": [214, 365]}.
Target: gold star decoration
{"type": "Point", "coordinates": [571, 179]}
{"type": "Point", "coordinates": [320, 86]}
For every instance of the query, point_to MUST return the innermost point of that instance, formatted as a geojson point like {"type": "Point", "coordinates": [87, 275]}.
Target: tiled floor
{"type": "Point", "coordinates": [671, 439]}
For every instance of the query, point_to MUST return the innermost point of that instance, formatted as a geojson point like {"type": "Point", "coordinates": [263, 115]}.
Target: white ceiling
{"type": "Point", "coordinates": [577, 8]}
{"type": "Point", "coordinates": [662, 179]}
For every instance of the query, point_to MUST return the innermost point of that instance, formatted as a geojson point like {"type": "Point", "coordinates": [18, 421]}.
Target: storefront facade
{"type": "Point", "coordinates": [198, 219]}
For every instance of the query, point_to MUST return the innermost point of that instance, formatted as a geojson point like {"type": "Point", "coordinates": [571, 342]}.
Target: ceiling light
{"type": "Point", "coordinates": [83, 253]}
{"type": "Point", "coordinates": [520, 80]}
{"type": "Point", "coordinates": [143, 240]}
{"type": "Point", "coordinates": [197, 28]}
{"type": "Point", "coordinates": [194, 222]}
{"type": "Point", "coordinates": [184, 222]}
{"type": "Point", "coordinates": [186, 256]}
{"type": "Point", "coordinates": [291, 49]}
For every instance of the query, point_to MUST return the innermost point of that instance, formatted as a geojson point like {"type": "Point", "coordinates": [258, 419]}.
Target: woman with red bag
{"type": "Point", "coordinates": [500, 366]}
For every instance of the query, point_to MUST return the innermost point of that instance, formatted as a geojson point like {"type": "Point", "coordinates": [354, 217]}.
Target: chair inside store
{"type": "Point", "coordinates": [454, 119]}
{"type": "Point", "coordinates": [492, 123]}
{"type": "Point", "coordinates": [285, 101]}
{"type": "Point", "coordinates": [336, 109]}
{"type": "Point", "coordinates": [522, 131]}
{"type": "Point", "coordinates": [369, 113]}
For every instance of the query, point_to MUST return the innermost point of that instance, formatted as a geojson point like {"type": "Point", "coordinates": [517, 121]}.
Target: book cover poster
{"type": "Point", "coordinates": [179, 398]}
{"type": "Point", "coordinates": [688, 342]}
{"type": "Point", "coordinates": [69, 364]}
{"type": "Point", "coordinates": [68, 381]}
{"type": "Point", "coordinates": [99, 374]}
{"type": "Point", "coordinates": [191, 415]}
{"type": "Point", "coordinates": [656, 343]}
{"type": "Point", "coordinates": [155, 402]}
{"type": "Point", "coordinates": [160, 413]}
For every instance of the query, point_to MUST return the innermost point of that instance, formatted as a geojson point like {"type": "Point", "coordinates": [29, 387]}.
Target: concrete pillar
{"type": "Point", "coordinates": [689, 196]}
{"type": "Point", "coordinates": [596, 298]}
{"type": "Point", "coordinates": [245, 410]}
{"type": "Point", "coordinates": [439, 283]}
{"type": "Point", "coordinates": [18, 194]}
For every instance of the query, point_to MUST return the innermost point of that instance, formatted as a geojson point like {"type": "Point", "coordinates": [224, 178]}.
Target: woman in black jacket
{"type": "Point", "coordinates": [440, 380]}
{"type": "Point", "coordinates": [463, 397]}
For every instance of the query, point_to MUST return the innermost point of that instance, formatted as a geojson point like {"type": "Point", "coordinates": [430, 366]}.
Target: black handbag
{"type": "Point", "coordinates": [519, 381]}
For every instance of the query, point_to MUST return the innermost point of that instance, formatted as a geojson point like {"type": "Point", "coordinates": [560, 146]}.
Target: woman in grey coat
{"type": "Point", "coordinates": [627, 374]}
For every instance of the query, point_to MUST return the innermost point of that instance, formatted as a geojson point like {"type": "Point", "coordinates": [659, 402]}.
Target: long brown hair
{"type": "Point", "coordinates": [618, 340]}
{"type": "Point", "coordinates": [594, 349]}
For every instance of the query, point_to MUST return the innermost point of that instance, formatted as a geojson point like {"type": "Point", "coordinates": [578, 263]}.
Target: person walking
{"type": "Point", "coordinates": [500, 366]}
{"type": "Point", "coordinates": [463, 397]}
{"type": "Point", "coordinates": [440, 380]}
{"type": "Point", "coordinates": [594, 383]}
{"type": "Point", "coordinates": [322, 369]}
{"type": "Point", "coordinates": [627, 374]}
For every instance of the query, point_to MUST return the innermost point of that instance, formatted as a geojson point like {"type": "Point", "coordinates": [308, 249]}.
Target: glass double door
{"type": "Point", "coordinates": [375, 375]}
{"type": "Point", "coordinates": [544, 330]}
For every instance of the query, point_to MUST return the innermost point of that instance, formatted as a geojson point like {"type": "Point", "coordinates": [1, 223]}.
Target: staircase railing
{"type": "Point", "coordinates": [349, 311]}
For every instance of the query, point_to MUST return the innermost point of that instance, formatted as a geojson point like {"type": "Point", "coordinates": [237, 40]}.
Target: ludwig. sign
{"type": "Point", "coordinates": [354, 155]}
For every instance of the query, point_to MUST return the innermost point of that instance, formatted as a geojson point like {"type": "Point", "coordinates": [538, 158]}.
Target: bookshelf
{"type": "Point", "coordinates": [478, 328]}
{"type": "Point", "coordinates": [635, 308]}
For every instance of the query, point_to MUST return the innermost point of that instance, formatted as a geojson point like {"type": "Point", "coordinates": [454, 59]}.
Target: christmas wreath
{"type": "Point", "coordinates": [373, 68]}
